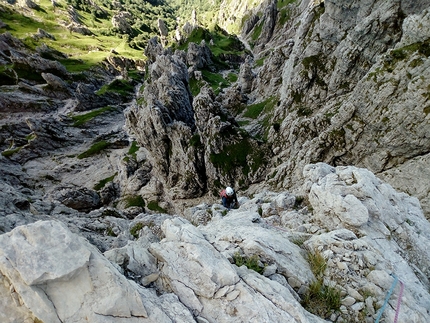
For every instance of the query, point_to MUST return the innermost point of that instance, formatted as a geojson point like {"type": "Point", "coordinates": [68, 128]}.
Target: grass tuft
{"type": "Point", "coordinates": [94, 149]}
{"type": "Point", "coordinates": [249, 262]}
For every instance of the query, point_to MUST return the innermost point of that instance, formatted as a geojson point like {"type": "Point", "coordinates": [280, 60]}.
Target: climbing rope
{"type": "Point", "coordinates": [381, 310]}
{"type": "Point", "coordinates": [399, 300]}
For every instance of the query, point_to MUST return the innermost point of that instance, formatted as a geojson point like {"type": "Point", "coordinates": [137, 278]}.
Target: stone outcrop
{"type": "Point", "coordinates": [121, 21]}
{"type": "Point", "coordinates": [164, 125]}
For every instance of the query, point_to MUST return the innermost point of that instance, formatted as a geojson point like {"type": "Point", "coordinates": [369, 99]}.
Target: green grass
{"type": "Point", "coordinates": [133, 149]}
{"type": "Point", "coordinates": [94, 149]}
{"type": "Point", "coordinates": [284, 16]}
{"type": "Point", "coordinates": [320, 299]}
{"type": "Point", "coordinates": [134, 231]}
{"type": "Point", "coordinates": [84, 51]}
{"type": "Point", "coordinates": [249, 262]}
{"type": "Point", "coordinates": [257, 31]}
{"type": "Point", "coordinates": [122, 87]}
{"type": "Point", "coordinates": [215, 80]}
{"type": "Point", "coordinates": [260, 61]}
{"type": "Point", "coordinates": [103, 182]}
{"type": "Point", "coordinates": [79, 120]}
{"type": "Point", "coordinates": [134, 201]}
{"type": "Point", "coordinates": [317, 263]}
{"type": "Point", "coordinates": [10, 152]}
{"type": "Point", "coordinates": [153, 206]}
{"type": "Point", "coordinates": [254, 110]}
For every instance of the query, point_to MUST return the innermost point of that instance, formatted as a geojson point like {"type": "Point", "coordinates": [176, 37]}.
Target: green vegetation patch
{"type": "Point", "coordinates": [284, 16]}
{"type": "Point", "coordinates": [249, 262]}
{"type": "Point", "coordinates": [94, 149]}
{"type": "Point", "coordinates": [153, 206]}
{"type": "Point", "coordinates": [320, 299]}
{"type": "Point", "coordinates": [215, 80]}
{"type": "Point", "coordinates": [131, 201]}
{"type": "Point", "coordinates": [283, 3]}
{"type": "Point", "coordinates": [257, 30]}
{"type": "Point", "coordinates": [81, 119]}
{"type": "Point", "coordinates": [122, 87]}
{"type": "Point", "coordinates": [133, 149]}
{"type": "Point", "coordinates": [401, 54]}
{"type": "Point", "coordinates": [195, 141]}
{"type": "Point", "coordinates": [10, 152]}
{"type": "Point", "coordinates": [253, 111]}
{"type": "Point", "coordinates": [104, 181]}
{"type": "Point", "coordinates": [134, 231]}
{"type": "Point", "coordinates": [260, 61]}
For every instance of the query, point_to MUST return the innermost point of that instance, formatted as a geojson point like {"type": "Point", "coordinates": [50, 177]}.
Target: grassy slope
{"type": "Point", "coordinates": [83, 51]}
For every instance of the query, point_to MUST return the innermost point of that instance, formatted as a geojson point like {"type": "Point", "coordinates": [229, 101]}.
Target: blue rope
{"type": "Point", "coordinates": [381, 310]}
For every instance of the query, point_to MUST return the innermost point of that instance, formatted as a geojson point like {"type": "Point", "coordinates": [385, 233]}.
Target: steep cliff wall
{"type": "Point", "coordinates": [354, 88]}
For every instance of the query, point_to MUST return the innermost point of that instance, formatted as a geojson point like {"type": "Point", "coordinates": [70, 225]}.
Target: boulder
{"type": "Point", "coordinates": [60, 277]}
{"type": "Point", "coordinates": [81, 199]}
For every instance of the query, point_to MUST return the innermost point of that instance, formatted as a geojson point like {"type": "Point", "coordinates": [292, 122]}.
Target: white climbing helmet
{"type": "Point", "coordinates": [229, 191]}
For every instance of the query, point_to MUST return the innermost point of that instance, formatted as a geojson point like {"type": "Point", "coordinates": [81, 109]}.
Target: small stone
{"type": "Point", "coordinates": [348, 301]}
{"type": "Point", "coordinates": [357, 306]}
{"type": "Point", "coordinates": [233, 295]}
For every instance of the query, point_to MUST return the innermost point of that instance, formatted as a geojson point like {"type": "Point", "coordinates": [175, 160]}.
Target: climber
{"type": "Point", "coordinates": [229, 198]}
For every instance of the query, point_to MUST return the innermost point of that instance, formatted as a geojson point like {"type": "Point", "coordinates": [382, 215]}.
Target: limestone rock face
{"type": "Point", "coordinates": [121, 21]}
{"type": "Point", "coordinates": [179, 271]}
{"type": "Point", "coordinates": [70, 266]}
{"type": "Point", "coordinates": [81, 199]}
{"type": "Point", "coordinates": [199, 56]}
{"type": "Point", "coordinates": [164, 125]}
{"type": "Point", "coordinates": [350, 93]}
{"type": "Point", "coordinates": [162, 28]}
{"type": "Point", "coordinates": [354, 199]}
